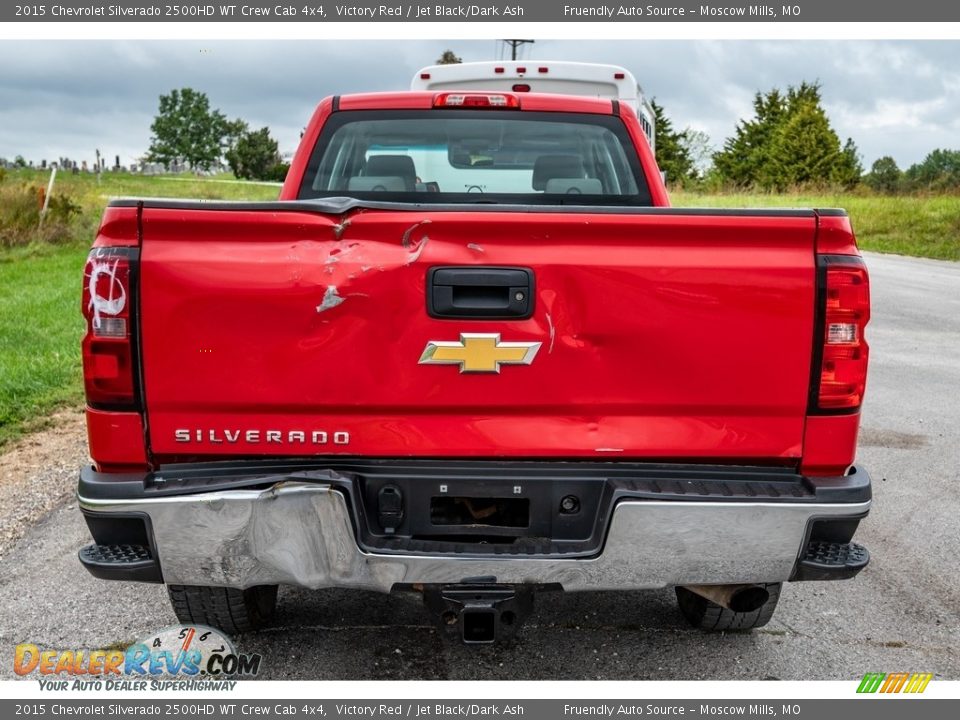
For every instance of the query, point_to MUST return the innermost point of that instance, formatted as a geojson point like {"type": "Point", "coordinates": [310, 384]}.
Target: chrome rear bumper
{"type": "Point", "coordinates": [302, 534]}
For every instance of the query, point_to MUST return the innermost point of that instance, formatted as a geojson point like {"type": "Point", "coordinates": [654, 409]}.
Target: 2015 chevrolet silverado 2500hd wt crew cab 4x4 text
{"type": "Point", "coordinates": [472, 352]}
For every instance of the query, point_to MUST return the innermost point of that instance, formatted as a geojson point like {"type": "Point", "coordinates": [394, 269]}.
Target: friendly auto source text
{"type": "Point", "coordinates": [660, 710]}
{"type": "Point", "coordinates": [610, 11]}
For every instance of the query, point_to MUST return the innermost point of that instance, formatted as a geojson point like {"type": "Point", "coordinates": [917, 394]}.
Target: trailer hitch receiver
{"type": "Point", "coordinates": [479, 613]}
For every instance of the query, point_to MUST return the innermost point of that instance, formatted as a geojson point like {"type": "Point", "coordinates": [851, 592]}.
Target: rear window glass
{"type": "Point", "coordinates": [444, 156]}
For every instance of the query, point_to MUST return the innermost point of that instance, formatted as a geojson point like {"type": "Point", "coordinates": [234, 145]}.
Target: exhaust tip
{"type": "Point", "coordinates": [738, 598]}
{"type": "Point", "coordinates": [749, 598]}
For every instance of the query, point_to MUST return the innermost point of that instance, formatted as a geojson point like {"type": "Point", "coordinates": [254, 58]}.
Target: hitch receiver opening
{"type": "Point", "coordinates": [478, 613]}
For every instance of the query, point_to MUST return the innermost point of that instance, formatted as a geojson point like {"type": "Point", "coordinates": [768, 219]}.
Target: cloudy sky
{"type": "Point", "coordinates": [899, 98]}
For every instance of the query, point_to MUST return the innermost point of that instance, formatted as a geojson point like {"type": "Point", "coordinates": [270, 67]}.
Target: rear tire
{"type": "Point", "coordinates": [228, 609]}
{"type": "Point", "coordinates": [710, 617]}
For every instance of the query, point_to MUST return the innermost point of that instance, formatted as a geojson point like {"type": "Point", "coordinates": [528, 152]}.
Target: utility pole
{"type": "Point", "coordinates": [514, 44]}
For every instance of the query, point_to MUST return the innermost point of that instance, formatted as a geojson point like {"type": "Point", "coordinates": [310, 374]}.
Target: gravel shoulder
{"type": "Point", "coordinates": [38, 474]}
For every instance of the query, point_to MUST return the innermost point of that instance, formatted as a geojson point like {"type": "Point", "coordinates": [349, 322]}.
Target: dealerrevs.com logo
{"type": "Point", "coordinates": [177, 657]}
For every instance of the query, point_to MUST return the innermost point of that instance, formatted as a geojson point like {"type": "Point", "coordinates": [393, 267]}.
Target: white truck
{"type": "Point", "coordinates": [543, 76]}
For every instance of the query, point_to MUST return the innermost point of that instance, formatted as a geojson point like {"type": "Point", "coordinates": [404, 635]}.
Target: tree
{"type": "Point", "coordinates": [940, 170]}
{"type": "Point", "coordinates": [744, 154]}
{"type": "Point", "coordinates": [187, 130]}
{"type": "Point", "coordinates": [233, 130]}
{"type": "Point", "coordinates": [884, 175]}
{"type": "Point", "coordinates": [700, 150]}
{"type": "Point", "coordinates": [449, 58]}
{"type": "Point", "coordinates": [19, 162]}
{"type": "Point", "coordinates": [673, 148]}
{"type": "Point", "coordinates": [788, 143]}
{"type": "Point", "coordinates": [848, 170]}
{"type": "Point", "coordinates": [278, 172]}
{"type": "Point", "coordinates": [254, 155]}
{"type": "Point", "coordinates": [803, 151]}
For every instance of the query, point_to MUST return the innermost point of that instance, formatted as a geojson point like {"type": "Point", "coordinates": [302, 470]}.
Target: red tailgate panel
{"type": "Point", "coordinates": [289, 333]}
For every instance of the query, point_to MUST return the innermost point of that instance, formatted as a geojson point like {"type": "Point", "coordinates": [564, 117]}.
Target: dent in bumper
{"type": "Point", "coordinates": [302, 534]}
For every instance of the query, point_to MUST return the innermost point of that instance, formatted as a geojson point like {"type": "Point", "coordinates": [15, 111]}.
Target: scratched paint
{"type": "Point", "coordinates": [116, 299]}
{"type": "Point", "coordinates": [339, 229]}
{"type": "Point", "coordinates": [553, 333]}
{"type": "Point", "coordinates": [417, 251]}
{"type": "Point", "coordinates": [331, 298]}
{"type": "Point", "coordinates": [407, 240]}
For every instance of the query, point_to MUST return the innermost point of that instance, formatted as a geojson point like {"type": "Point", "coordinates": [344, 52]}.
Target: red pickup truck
{"type": "Point", "coordinates": [474, 353]}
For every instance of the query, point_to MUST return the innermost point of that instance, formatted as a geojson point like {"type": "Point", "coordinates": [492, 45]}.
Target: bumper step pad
{"type": "Point", "coordinates": [121, 562]}
{"type": "Point", "coordinates": [831, 561]}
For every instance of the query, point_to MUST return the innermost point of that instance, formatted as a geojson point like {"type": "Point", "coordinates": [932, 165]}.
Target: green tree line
{"type": "Point", "coordinates": [788, 144]}
{"type": "Point", "coordinates": [939, 172]}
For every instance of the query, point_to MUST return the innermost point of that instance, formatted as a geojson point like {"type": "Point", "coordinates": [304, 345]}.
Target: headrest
{"type": "Point", "coordinates": [392, 166]}
{"type": "Point", "coordinates": [555, 166]}
{"type": "Point", "coordinates": [574, 186]}
{"type": "Point", "coordinates": [369, 183]}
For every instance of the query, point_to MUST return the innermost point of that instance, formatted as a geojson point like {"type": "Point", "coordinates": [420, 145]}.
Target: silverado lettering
{"type": "Point", "coordinates": [315, 437]}
{"type": "Point", "coordinates": [641, 396]}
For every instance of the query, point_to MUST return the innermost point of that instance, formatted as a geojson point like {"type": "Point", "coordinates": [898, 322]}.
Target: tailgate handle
{"type": "Point", "coordinates": [482, 293]}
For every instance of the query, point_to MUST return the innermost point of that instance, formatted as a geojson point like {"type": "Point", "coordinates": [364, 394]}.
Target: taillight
{"type": "Point", "coordinates": [108, 345]}
{"type": "Point", "coordinates": [476, 100]}
{"type": "Point", "coordinates": [843, 313]}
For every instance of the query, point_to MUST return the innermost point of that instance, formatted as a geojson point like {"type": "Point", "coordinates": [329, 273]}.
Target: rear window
{"type": "Point", "coordinates": [455, 156]}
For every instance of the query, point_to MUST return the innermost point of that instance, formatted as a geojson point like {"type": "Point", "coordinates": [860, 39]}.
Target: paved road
{"type": "Point", "coordinates": [902, 613]}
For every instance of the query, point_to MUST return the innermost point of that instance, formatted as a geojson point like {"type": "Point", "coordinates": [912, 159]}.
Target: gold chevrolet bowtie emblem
{"type": "Point", "coordinates": [479, 352]}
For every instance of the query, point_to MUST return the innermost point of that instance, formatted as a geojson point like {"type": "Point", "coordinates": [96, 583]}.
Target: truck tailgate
{"type": "Point", "coordinates": [664, 334]}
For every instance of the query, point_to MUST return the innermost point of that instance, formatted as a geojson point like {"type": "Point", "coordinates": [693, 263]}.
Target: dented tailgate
{"type": "Point", "coordinates": [659, 334]}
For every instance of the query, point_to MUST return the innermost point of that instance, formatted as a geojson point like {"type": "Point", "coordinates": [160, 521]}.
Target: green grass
{"type": "Point", "coordinates": [40, 320]}
{"type": "Point", "coordinates": [91, 195]}
{"type": "Point", "coordinates": [919, 226]}
{"type": "Point", "coordinates": [40, 331]}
